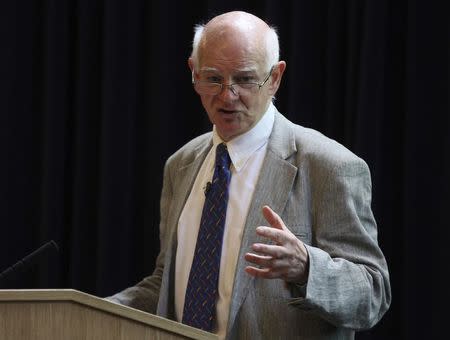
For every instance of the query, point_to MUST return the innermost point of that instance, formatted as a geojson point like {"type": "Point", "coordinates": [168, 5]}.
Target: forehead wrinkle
{"type": "Point", "coordinates": [208, 69]}
{"type": "Point", "coordinates": [237, 70]}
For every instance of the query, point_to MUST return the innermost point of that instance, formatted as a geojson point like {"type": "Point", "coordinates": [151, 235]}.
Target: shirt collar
{"type": "Point", "coordinates": [243, 146]}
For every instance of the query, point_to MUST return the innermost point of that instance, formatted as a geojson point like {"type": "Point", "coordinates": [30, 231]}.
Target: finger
{"type": "Point", "coordinates": [273, 218]}
{"type": "Point", "coordinates": [266, 262]}
{"type": "Point", "coordinates": [264, 273]}
{"type": "Point", "coordinates": [260, 260]}
{"type": "Point", "coordinates": [269, 250]}
{"type": "Point", "coordinates": [275, 235]}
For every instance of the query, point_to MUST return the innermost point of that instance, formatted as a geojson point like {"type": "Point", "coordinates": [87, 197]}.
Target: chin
{"type": "Point", "coordinates": [227, 134]}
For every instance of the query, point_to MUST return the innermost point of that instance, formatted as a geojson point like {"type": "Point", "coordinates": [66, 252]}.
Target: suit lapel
{"type": "Point", "coordinates": [184, 180]}
{"type": "Point", "coordinates": [275, 181]}
{"type": "Point", "coordinates": [185, 177]}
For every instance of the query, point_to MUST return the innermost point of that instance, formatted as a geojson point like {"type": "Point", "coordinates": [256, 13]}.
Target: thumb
{"type": "Point", "coordinates": [273, 218]}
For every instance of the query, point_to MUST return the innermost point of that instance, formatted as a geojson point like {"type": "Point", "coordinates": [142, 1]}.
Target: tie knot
{"type": "Point", "coordinates": [222, 157]}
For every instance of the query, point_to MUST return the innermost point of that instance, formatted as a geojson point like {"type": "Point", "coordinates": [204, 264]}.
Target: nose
{"type": "Point", "coordinates": [228, 92]}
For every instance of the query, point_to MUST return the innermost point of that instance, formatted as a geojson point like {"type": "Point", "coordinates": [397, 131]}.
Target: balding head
{"type": "Point", "coordinates": [238, 30]}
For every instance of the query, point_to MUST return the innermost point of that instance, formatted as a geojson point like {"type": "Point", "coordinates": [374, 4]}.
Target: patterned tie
{"type": "Point", "coordinates": [201, 292]}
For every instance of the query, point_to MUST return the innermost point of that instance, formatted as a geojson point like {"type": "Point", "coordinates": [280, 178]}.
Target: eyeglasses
{"type": "Point", "coordinates": [239, 88]}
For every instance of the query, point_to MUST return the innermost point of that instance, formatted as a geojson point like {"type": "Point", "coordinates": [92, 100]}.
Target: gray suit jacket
{"type": "Point", "coordinates": [322, 191]}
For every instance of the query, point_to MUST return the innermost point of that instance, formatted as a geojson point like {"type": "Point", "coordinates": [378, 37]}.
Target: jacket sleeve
{"type": "Point", "coordinates": [348, 283]}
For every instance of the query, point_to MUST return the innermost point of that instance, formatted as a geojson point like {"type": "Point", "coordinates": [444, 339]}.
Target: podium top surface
{"type": "Point", "coordinates": [75, 296]}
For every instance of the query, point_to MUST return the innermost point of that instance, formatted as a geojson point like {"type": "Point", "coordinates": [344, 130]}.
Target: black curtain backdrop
{"type": "Point", "coordinates": [95, 95]}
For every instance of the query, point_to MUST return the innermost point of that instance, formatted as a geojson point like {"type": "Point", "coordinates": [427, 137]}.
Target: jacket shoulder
{"type": "Point", "coordinates": [316, 149]}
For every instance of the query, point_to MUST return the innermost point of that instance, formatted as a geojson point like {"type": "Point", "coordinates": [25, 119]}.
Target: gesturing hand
{"type": "Point", "coordinates": [287, 259]}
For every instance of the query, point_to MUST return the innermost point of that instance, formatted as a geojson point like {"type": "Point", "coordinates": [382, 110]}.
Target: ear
{"type": "Point", "coordinates": [191, 64]}
{"type": "Point", "coordinates": [277, 74]}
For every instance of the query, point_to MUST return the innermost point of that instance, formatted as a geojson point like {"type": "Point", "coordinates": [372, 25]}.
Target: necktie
{"type": "Point", "coordinates": [201, 292]}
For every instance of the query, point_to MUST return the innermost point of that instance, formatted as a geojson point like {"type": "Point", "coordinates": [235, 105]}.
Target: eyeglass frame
{"type": "Point", "coordinates": [233, 90]}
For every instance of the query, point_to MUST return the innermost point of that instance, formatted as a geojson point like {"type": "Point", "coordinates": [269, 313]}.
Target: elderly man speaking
{"type": "Point", "coordinates": [266, 226]}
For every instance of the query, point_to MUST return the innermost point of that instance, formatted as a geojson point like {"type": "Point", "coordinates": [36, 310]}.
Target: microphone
{"type": "Point", "coordinates": [27, 261]}
{"type": "Point", "coordinates": [207, 188]}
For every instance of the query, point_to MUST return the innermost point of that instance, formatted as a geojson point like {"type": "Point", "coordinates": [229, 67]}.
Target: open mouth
{"type": "Point", "coordinates": [227, 111]}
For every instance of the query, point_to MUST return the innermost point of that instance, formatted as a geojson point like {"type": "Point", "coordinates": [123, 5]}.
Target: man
{"type": "Point", "coordinates": [299, 256]}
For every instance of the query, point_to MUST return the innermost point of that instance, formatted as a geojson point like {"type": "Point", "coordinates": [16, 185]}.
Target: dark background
{"type": "Point", "coordinates": [95, 95]}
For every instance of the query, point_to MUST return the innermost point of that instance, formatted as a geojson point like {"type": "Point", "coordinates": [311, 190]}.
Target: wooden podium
{"type": "Point", "coordinates": [66, 314]}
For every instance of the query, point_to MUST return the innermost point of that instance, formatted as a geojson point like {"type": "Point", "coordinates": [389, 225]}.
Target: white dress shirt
{"type": "Point", "coordinates": [247, 153]}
